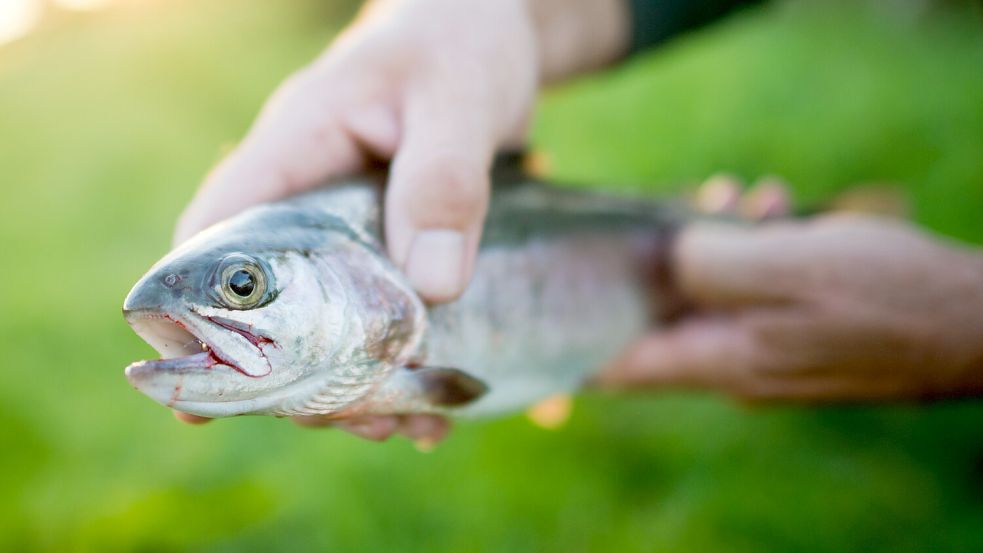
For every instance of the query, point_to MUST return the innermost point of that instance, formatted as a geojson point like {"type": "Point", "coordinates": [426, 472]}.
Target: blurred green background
{"type": "Point", "coordinates": [108, 121]}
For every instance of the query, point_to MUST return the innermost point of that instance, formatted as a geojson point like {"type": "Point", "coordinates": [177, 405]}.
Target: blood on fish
{"type": "Point", "coordinates": [255, 339]}
{"type": "Point", "coordinates": [213, 356]}
{"type": "Point", "coordinates": [177, 322]}
{"type": "Point", "coordinates": [177, 392]}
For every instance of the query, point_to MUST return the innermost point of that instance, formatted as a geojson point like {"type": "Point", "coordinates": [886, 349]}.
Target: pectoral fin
{"type": "Point", "coordinates": [424, 390]}
{"type": "Point", "coordinates": [448, 387]}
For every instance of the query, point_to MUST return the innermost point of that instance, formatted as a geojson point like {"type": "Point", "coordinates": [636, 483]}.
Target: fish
{"type": "Point", "coordinates": [293, 307]}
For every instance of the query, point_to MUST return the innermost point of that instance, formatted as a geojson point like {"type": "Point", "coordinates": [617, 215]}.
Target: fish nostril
{"type": "Point", "coordinates": [171, 279]}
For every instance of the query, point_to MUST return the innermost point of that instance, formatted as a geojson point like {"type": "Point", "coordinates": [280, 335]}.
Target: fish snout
{"type": "Point", "coordinates": [154, 293]}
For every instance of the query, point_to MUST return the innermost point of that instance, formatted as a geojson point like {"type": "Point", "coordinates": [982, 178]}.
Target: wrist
{"type": "Point", "coordinates": [577, 36]}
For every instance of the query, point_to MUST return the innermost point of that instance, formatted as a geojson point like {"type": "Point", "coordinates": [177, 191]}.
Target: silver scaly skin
{"type": "Point", "coordinates": [292, 308]}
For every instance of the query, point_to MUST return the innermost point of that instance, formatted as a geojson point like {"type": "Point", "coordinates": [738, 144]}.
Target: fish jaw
{"type": "Point", "coordinates": [191, 375]}
{"type": "Point", "coordinates": [190, 384]}
{"type": "Point", "coordinates": [199, 387]}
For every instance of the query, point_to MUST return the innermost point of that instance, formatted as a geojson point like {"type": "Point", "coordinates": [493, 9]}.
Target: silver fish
{"type": "Point", "coordinates": [293, 308]}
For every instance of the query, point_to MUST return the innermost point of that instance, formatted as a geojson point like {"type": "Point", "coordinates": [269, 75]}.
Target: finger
{"type": "Point", "coordinates": [426, 430]}
{"type": "Point", "coordinates": [720, 194]}
{"type": "Point", "coordinates": [704, 352]}
{"type": "Point", "coordinates": [189, 418]}
{"type": "Point", "coordinates": [768, 199]}
{"type": "Point", "coordinates": [314, 421]}
{"type": "Point", "coordinates": [720, 265]}
{"type": "Point", "coordinates": [300, 139]}
{"type": "Point", "coordinates": [375, 428]}
{"type": "Point", "coordinates": [438, 192]}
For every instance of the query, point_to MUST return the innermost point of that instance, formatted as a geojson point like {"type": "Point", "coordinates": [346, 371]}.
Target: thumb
{"type": "Point", "coordinates": [699, 353]}
{"type": "Point", "coordinates": [438, 193]}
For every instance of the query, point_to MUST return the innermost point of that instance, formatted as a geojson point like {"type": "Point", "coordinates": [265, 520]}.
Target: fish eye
{"type": "Point", "coordinates": [243, 282]}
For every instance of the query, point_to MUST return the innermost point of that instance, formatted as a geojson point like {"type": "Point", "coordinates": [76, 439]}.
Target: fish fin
{"type": "Point", "coordinates": [551, 413]}
{"type": "Point", "coordinates": [448, 387]}
{"type": "Point", "coordinates": [423, 390]}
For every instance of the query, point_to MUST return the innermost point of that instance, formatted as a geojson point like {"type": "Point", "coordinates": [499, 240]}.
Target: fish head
{"type": "Point", "coordinates": [259, 325]}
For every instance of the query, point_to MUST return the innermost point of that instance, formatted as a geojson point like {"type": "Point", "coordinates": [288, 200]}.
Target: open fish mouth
{"type": "Point", "coordinates": [179, 347]}
{"type": "Point", "coordinates": [193, 375]}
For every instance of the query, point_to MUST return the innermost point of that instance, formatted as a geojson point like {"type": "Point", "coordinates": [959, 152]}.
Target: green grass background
{"type": "Point", "coordinates": [109, 120]}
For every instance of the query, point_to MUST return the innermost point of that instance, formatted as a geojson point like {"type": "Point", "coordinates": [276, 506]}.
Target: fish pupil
{"type": "Point", "coordinates": [242, 283]}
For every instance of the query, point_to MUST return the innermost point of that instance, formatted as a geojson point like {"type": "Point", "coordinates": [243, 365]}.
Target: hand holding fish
{"type": "Point", "coordinates": [392, 88]}
{"type": "Point", "coordinates": [837, 309]}
{"type": "Point", "coordinates": [435, 86]}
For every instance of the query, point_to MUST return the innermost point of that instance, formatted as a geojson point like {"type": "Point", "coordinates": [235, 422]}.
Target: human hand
{"type": "Point", "coordinates": [436, 86]}
{"type": "Point", "coordinates": [433, 85]}
{"type": "Point", "coordinates": [844, 307]}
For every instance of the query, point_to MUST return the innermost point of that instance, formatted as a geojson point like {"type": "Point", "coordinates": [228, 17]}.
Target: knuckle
{"type": "Point", "coordinates": [450, 192]}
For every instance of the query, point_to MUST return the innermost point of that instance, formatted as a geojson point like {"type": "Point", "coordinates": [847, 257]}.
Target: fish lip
{"type": "Point", "coordinates": [267, 404]}
{"type": "Point", "coordinates": [183, 362]}
{"type": "Point", "coordinates": [144, 376]}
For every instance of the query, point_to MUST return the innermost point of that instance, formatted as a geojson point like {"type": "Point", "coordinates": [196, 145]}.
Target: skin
{"type": "Point", "coordinates": [840, 308]}
{"type": "Point", "coordinates": [391, 88]}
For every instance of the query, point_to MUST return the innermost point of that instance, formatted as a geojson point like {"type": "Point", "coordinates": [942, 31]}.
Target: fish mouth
{"type": "Point", "coordinates": [194, 375]}
{"type": "Point", "coordinates": [181, 349]}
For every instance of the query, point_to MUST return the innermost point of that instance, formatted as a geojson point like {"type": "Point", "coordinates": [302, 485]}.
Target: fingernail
{"type": "Point", "coordinates": [435, 264]}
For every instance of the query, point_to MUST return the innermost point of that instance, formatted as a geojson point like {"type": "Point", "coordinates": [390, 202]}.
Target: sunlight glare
{"type": "Point", "coordinates": [17, 17]}
{"type": "Point", "coordinates": [81, 5]}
